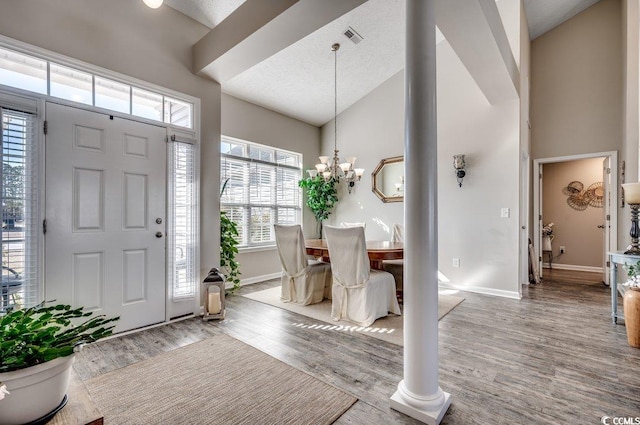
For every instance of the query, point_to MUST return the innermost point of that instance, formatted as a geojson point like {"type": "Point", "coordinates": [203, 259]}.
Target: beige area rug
{"type": "Point", "coordinates": [216, 381]}
{"type": "Point", "coordinates": [387, 328]}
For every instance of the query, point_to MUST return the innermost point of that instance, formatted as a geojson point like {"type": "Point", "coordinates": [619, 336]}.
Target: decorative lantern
{"type": "Point", "coordinates": [213, 286]}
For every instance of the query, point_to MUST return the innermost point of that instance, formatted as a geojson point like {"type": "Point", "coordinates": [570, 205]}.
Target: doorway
{"type": "Point", "coordinates": [105, 189]}
{"type": "Point", "coordinates": [574, 201]}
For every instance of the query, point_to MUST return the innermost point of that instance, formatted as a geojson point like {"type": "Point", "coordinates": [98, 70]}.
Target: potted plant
{"type": "Point", "coordinates": [37, 350]}
{"type": "Point", "coordinates": [322, 196]}
{"type": "Point", "coordinates": [229, 247]}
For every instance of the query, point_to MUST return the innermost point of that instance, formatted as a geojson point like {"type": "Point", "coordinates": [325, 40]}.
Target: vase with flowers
{"type": "Point", "coordinates": [631, 304]}
{"type": "Point", "coordinates": [547, 237]}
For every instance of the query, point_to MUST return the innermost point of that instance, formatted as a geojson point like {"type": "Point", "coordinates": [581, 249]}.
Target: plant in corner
{"type": "Point", "coordinates": [322, 196]}
{"type": "Point", "coordinates": [37, 347]}
{"type": "Point", "coordinates": [229, 247]}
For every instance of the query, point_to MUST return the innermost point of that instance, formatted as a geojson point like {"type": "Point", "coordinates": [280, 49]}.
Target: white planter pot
{"type": "Point", "coordinates": [546, 243]}
{"type": "Point", "coordinates": [34, 391]}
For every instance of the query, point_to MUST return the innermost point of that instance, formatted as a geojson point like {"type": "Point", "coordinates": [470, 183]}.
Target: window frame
{"type": "Point", "coordinates": [245, 243]}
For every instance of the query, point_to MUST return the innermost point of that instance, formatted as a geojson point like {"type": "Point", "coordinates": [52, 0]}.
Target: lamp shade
{"type": "Point", "coordinates": [154, 4]}
{"type": "Point", "coordinates": [632, 192]}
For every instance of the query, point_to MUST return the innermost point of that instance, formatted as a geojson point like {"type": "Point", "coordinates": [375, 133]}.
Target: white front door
{"type": "Point", "coordinates": [105, 215]}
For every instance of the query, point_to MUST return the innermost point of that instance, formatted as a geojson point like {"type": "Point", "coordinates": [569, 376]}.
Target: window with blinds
{"type": "Point", "coordinates": [19, 210]}
{"type": "Point", "coordinates": [262, 189]}
{"type": "Point", "coordinates": [183, 224]}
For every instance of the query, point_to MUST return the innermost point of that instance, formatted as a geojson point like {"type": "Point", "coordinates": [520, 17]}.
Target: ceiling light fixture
{"type": "Point", "coordinates": [334, 169]}
{"type": "Point", "coordinates": [154, 4]}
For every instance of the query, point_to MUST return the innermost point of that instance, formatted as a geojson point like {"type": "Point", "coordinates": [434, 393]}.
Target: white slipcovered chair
{"type": "Point", "coordinates": [303, 282]}
{"type": "Point", "coordinates": [359, 294]}
{"type": "Point", "coordinates": [396, 267]}
{"type": "Point", "coordinates": [346, 224]}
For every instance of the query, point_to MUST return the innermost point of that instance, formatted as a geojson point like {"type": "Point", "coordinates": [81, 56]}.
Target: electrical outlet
{"type": "Point", "coordinates": [456, 262]}
{"type": "Point", "coordinates": [562, 250]}
{"type": "Point", "coordinates": [504, 213]}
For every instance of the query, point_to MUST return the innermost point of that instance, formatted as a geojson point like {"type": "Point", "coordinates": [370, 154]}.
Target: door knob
{"type": "Point", "coordinates": [158, 234]}
{"type": "Point", "coordinates": [600, 226]}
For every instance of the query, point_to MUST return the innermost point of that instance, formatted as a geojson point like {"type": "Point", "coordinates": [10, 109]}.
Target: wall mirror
{"type": "Point", "coordinates": [388, 179]}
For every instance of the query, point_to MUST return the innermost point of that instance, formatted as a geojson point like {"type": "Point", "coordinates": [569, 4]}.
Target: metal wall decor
{"type": "Point", "coordinates": [595, 193]}
{"type": "Point", "coordinates": [579, 199]}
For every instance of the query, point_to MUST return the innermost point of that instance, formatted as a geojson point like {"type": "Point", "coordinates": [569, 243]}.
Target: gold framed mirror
{"type": "Point", "coordinates": [388, 179]}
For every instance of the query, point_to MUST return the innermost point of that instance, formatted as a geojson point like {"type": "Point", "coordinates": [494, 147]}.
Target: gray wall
{"type": "Point", "coordinates": [247, 121]}
{"type": "Point", "coordinates": [577, 102]}
{"type": "Point", "coordinates": [576, 84]}
{"type": "Point", "coordinates": [127, 37]}
{"type": "Point", "coordinates": [470, 227]}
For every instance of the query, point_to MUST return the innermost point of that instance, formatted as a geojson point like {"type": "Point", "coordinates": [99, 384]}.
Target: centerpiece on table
{"type": "Point", "coordinates": [631, 304]}
{"type": "Point", "coordinates": [37, 350]}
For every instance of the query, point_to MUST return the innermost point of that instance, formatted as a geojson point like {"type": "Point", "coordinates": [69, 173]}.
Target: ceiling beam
{"type": "Point", "coordinates": [258, 29]}
{"type": "Point", "coordinates": [474, 30]}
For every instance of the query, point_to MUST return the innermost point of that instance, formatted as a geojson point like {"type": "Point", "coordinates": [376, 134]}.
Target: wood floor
{"type": "Point", "coordinates": [552, 357]}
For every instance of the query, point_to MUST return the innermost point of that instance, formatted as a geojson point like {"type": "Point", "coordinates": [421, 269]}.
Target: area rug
{"type": "Point", "coordinates": [387, 328]}
{"type": "Point", "coordinates": [216, 381]}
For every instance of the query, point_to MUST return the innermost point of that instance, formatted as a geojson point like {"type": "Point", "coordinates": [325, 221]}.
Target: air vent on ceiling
{"type": "Point", "coordinates": [352, 35]}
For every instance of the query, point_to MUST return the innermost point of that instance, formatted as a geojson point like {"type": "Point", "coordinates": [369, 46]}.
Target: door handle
{"type": "Point", "coordinates": [158, 234]}
{"type": "Point", "coordinates": [600, 226]}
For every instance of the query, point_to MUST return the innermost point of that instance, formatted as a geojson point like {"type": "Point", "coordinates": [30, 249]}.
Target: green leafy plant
{"type": "Point", "coordinates": [229, 247]}
{"type": "Point", "coordinates": [41, 333]}
{"type": "Point", "coordinates": [322, 196]}
{"type": "Point", "coordinates": [633, 272]}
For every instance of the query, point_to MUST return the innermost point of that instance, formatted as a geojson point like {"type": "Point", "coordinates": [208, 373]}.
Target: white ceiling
{"type": "Point", "coordinates": [298, 81]}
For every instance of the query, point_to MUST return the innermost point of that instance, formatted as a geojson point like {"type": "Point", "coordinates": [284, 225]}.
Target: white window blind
{"type": "Point", "coordinates": [20, 215]}
{"type": "Point", "coordinates": [183, 227]}
{"type": "Point", "coordinates": [262, 189]}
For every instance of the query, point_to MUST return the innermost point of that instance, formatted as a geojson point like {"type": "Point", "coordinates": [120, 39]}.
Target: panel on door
{"type": "Point", "coordinates": [105, 188]}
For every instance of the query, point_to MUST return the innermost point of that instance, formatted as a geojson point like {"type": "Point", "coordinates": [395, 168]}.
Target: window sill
{"type": "Point", "coordinates": [251, 249]}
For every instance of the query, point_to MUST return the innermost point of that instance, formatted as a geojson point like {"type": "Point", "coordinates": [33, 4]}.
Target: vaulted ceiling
{"type": "Point", "coordinates": [292, 71]}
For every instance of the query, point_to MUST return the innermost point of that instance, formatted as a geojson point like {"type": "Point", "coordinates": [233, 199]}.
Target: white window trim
{"type": "Point", "coordinates": [27, 49]}
{"type": "Point", "coordinates": [265, 246]}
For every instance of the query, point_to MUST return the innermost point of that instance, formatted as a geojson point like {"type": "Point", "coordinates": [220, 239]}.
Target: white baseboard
{"type": "Point", "coordinates": [480, 290]}
{"type": "Point", "coordinates": [573, 268]}
{"type": "Point", "coordinates": [262, 278]}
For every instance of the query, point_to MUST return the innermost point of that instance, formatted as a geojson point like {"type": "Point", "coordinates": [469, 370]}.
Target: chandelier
{"type": "Point", "coordinates": [332, 168]}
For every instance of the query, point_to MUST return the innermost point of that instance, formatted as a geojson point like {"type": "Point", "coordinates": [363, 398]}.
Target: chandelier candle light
{"type": "Point", "coordinates": [632, 197]}
{"type": "Point", "coordinates": [333, 168]}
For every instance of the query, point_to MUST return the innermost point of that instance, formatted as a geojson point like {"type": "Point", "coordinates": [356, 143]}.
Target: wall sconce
{"type": "Point", "coordinates": [459, 164]}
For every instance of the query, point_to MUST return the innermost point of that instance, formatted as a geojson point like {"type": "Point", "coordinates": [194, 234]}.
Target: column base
{"type": "Point", "coordinates": [433, 416]}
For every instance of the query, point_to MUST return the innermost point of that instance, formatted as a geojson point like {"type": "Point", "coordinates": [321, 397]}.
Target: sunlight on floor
{"type": "Point", "coordinates": [340, 328]}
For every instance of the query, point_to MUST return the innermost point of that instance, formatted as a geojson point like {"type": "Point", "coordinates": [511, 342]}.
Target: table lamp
{"type": "Point", "coordinates": [632, 197]}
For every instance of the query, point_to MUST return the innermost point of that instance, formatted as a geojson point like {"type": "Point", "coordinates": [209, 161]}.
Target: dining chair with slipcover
{"type": "Point", "coordinates": [359, 295]}
{"type": "Point", "coordinates": [304, 281]}
{"type": "Point", "coordinates": [346, 224]}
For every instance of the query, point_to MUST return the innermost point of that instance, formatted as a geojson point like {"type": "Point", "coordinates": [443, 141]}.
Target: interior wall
{"type": "Point", "coordinates": [128, 37]}
{"type": "Point", "coordinates": [577, 88]}
{"type": "Point", "coordinates": [576, 230]}
{"type": "Point", "coordinates": [253, 123]}
{"type": "Point", "coordinates": [470, 227]}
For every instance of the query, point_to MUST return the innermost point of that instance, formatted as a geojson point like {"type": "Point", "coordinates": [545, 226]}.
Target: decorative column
{"type": "Point", "coordinates": [419, 394]}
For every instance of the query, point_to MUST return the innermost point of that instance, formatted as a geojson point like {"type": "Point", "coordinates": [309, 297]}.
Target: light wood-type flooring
{"type": "Point", "coordinates": [553, 357]}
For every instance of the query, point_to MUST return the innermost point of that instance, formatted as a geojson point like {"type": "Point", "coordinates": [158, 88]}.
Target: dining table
{"type": "Point", "coordinates": [378, 251]}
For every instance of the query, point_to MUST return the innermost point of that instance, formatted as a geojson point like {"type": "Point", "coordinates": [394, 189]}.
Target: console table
{"type": "Point", "coordinates": [618, 258]}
